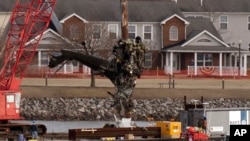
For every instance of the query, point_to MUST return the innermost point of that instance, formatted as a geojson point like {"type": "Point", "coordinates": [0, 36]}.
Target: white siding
{"type": "Point", "coordinates": [206, 37]}
{"type": "Point", "coordinates": [4, 19]}
{"type": "Point", "coordinates": [237, 27]}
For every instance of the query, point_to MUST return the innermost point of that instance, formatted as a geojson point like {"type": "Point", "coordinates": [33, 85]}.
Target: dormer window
{"type": "Point", "coordinates": [173, 33]}
{"type": "Point", "coordinates": [204, 40]}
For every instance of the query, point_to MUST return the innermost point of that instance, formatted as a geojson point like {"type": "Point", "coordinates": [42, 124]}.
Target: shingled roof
{"type": "Point", "coordinates": [159, 7]}
{"type": "Point", "coordinates": [214, 5]}
{"type": "Point", "coordinates": [197, 25]}
{"type": "Point", "coordinates": [110, 10]}
{"type": "Point", "coordinates": [139, 10]}
{"type": "Point", "coordinates": [7, 5]}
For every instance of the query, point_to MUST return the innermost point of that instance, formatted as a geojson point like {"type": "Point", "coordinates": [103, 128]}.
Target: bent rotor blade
{"type": "Point", "coordinates": [60, 67]}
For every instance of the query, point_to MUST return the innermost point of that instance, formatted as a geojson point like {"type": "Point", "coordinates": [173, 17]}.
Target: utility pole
{"type": "Point", "coordinates": [124, 30]}
{"type": "Point", "coordinates": [124, 19]}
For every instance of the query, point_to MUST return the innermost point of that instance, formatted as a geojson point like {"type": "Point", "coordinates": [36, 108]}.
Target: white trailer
{"type": "Point", "coordinates": [220, 119]}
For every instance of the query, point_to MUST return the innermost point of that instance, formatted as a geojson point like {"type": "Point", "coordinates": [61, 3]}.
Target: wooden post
{"type": "Point", "coordinates": [173, 84]}
{"type": "Point", "coordinates": [223, 84]}
{"type": "Point", "coordinates": [157, 72]}
{"type": "Point", "coordinates": [124, 19]}
{"type": "Point", "coordinates": [124, 30]}
{"type": "Point", "coordinates": [46, 80]}
{"type": "Point", "coordinates": [169, 81]}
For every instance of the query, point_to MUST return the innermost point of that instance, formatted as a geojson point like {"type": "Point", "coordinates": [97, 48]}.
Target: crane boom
{"type": "Point", "coordinates": [29, 19]}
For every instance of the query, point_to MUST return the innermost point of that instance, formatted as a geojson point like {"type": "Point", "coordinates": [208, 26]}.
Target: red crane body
{"type": "Point", "coordinates": [28, 21]}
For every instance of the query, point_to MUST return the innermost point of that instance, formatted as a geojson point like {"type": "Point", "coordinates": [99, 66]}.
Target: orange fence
{"type": "Point", "coordinates": [42, 72]}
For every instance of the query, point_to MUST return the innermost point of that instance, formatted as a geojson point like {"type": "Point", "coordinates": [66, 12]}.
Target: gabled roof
{"type": "Point", "coordinates": [37, 37]}
{"type": "Point", "coordinates": [191, 48]}
{"type": "Point", "coordinates": [198, 25]}
{"type": "Point", "coordinates": [73, 15]}
{"type": "Point", "coordinates": [197, 28]}
{"type": "Point", "coordinates": [214, 5]}
{"type": "Point", "coordinates": [62, 43]}
{"type": "Point", "coordinates": [109, 10]}
{"type": "Point", "coordinates": [204, 32]}
{"type": "Point", "coordinates": [175, 15]}
{"type": "Point", "coordinates": [64, 40]}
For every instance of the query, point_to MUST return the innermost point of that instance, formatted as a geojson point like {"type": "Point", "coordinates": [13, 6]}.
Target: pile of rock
{"type": "Point", "coordinates": [101, 109]}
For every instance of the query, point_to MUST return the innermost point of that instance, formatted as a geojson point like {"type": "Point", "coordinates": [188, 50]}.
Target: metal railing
{"type": "Point", "coordinates": [213, 71]}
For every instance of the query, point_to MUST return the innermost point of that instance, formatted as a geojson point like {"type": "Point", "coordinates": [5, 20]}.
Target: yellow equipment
{"type": "Point", "coordinates": [169, 129]}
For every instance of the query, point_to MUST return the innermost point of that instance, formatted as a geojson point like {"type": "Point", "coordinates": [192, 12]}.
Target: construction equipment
{"type": "Point", "coordinates": [165, 130]}
{"type": "Point", "coordinates": [169, 129]}
{"type": "Point", "coordinates": [193, 134]}
{"type": "Point", "coordinates": [29, 19]}
{"type": "Point", "coordinates": [98, 133]}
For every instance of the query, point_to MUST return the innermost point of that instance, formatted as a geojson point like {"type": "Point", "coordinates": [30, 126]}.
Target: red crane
{"type": "Point", "coordinates": [29, 19]}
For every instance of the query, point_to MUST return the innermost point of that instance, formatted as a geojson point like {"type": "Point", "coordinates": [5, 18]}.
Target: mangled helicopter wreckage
{"type": "Point", "coordinates": [123, 69]}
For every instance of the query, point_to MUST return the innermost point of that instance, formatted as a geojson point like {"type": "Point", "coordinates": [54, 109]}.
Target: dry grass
{"type": "Point", "coordinates": [146, 88]}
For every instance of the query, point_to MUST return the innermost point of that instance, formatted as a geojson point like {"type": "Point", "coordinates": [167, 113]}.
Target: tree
{"type": "Point", "coordinates": [97, 40]}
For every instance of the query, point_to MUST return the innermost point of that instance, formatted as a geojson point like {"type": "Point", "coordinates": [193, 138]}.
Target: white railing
{"type": "Point", "coordinates": [167, 70]}
{"type": "Point", "coordinates": [208, 71]}
{"type": "Point", "coordinates": [35, 69]}
{"type": "Point", "coordinates": [45, 70]}
{"type": "Point", "coordinates": [213, 71]}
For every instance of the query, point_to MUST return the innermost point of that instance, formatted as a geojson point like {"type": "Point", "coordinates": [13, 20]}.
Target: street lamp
{"type": "Point", "coordinates": [239, 58]}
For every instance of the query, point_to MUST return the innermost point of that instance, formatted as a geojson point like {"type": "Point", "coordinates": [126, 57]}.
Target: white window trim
{"type": "Point", "coordinates": [44, 58]}
{"type": "Point", "coordinates": [224, 22]}
{"type": "Point", "coordinates": [170, 37]}
{"type": "Point", "coordinates": [204, 61]}
{"type": "Point", "coordinates": [248, 22]}
{"type": "Point", "coordinates": [116, 26]}
{"type": "Point", "coordinates": [148, 32]}
{"type": "Point", "coordinates": [135, 29]}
